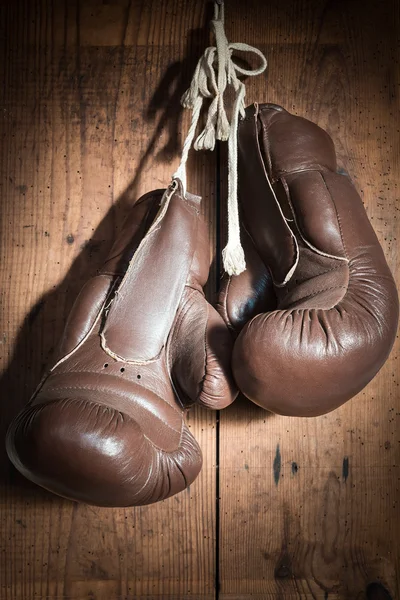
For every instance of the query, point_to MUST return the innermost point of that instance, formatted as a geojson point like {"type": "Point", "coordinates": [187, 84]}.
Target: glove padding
{"type": "Point", "coordinates": [106, 425]}
{"type": "Point", "coordinates": [317, 308]}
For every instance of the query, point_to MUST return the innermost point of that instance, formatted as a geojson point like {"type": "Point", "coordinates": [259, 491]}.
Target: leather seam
{"type": "Point", "coordinates": [85, 371]}
{"type": "Point", "coordinates": [183, 312]}
{"type": "Point", "coordinates": [295, 246]}
{"type": "Point", "coordinates": [283, 172]}
{"type": "Point", "coordinates": [155, 226]}
{"type": "Point", "coordinates": [97, 402]}
{"type": "Point", "coordinates": [335, 287]}
{"type": "Point", "coordinates": [205, 357]}
{"type": "Point", "coordinates": [303, 237]}
{"type": "Point", "coordinates": [124, 415]}
{"type": "Point", "coordinates": [175, 333]}
{"type": "Point", "coordinates": [338, 218]}
{"type": "Point", "coordinates": [326, 273]}
{"type": "Point", "coordinates": [194, 288]}
{"type": "Point", "coordinates": [154, 193]}
{"type": "Point", "coordinates": [197, 212]}
{"type": "Point", "coordinates": [118, 358]}
{"type": "Point", "coordinates": [333, 269]}
{"type": "Point", "coordinates": [86, 337]}
{"type": "Point", "coordinates": [267, 152]}
{"type": "Point", "coordinates": [53, 387]}
{"type": "Point", "coordinates": [189, 205]}
{"type": "Point", "coordinates": [142, 229]}
{"type": "Point", "coordinates": [117, 274]}
{"type": "Point", "coordinates": [225, 307]}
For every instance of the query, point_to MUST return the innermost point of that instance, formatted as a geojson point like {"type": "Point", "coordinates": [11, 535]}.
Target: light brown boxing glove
{"type": "Point", "coordinates": [106, 425]}
{"type": "Point", "coordinates": [317, 308]}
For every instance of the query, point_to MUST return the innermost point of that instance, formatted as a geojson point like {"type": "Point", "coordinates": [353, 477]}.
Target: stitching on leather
{"type": "Point", "coordinates": [335, 268]}
{"type": "Point", "coordinates": [335, 287]}
{"type": "Point", "coordinates": [188, 203]}
{"type": "Point", "coordinates": [282, 172]}
{"type": "Point", "coordinates": [322, 275]}
{"type": "Point", "coordinates": [311, 246]}
{"type": "Point", "coordinates": [118, 358]}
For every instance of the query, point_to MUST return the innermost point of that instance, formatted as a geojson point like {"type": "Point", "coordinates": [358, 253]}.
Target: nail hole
{"type": "Point", "coordinates": [105, 365]}
{"type": "Point", "coordinates": [139, 377]}
{"type": "Point", "coordinates": [122, 369]}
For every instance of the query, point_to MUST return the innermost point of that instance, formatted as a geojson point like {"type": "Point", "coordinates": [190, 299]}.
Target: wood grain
{"type": "Point", "coordinates": [90, 120]}
{"type": "Point", "coordinates": [310, 508]}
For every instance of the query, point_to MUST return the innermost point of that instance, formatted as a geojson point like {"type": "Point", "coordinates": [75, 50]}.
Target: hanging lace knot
{"type": "Point", "coordinates": [214, 71]}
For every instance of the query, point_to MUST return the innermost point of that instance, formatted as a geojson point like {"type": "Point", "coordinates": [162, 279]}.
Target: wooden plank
{"type": "Point", "coordinates": [90, 120]}
{"type": "Point", "coordinates": [310, 508]}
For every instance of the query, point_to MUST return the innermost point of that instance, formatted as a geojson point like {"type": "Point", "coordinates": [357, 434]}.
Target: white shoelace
{"type": "Point", "coordinates": [214, 71]}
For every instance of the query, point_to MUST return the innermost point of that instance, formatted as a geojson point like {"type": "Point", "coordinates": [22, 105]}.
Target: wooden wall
{"type": "Point", "coordinates": [89, 120]}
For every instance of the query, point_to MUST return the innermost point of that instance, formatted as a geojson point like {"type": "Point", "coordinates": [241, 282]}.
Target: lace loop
{"type": "Point", "coordinates": [214, 72]}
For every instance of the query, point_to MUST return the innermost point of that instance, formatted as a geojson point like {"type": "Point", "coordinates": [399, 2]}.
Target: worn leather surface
{"type": "Point", "coordinates": [106, 425]}
{"type": "Point", "coordinates": [316, 312]}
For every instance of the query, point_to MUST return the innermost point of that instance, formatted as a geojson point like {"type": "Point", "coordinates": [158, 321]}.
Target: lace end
{"type": "Point", "coordinates": [206, 140]}
{"type": "Point", "coordinates": [223, 127]}
{"type": "Point", "coordinates": [187, 99]}
{"type": "Point", "coordinates": [233, 259]}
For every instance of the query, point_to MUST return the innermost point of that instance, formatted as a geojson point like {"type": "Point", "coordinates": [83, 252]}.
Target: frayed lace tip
{"type": "Point", "coordinates": [223, 128]}
{"type": "Point", "coordinates": [233, 259]}
{"type": "Point", "coordinates": [187, 99]}
{"type": "Point", "coordinates": [206, 140]}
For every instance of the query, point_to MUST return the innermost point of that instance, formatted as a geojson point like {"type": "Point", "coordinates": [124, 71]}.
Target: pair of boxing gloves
{"type": "Point", "coordinates": [300, 332]}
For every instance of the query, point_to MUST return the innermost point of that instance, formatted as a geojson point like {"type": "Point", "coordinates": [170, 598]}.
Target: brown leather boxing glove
{"type": "Point", "coordinates": [317, 308]}
{"type": "Point", "coordinates": [106, 425]}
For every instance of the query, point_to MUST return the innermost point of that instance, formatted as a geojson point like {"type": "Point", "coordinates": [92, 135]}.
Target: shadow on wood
{"type": "Point", "coordinates": [164, 108]}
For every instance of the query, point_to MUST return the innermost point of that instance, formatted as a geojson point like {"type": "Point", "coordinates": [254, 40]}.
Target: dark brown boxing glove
{"type": "Point", "coordinates": [317, 308]}
{"type": "Point", "coordinates": [106, 425]}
